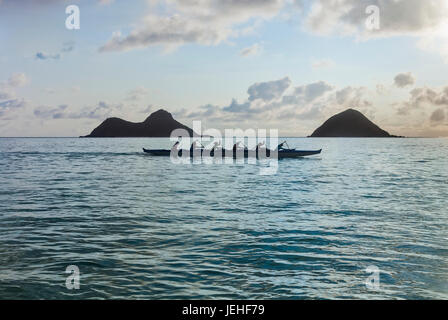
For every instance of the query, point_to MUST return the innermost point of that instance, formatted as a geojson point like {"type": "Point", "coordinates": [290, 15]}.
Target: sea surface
{"type": "Point", "coordinates": [142, 227]}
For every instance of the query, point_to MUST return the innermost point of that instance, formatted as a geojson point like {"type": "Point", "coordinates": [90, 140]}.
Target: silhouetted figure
{"type": "Point", "coordinates": [215, 146]}
{"type": "Point", "coordinates": [194, 146]}
{"type": "Point", "coordinates": [236, 146]}
{"type": "Point", "coordinates": [175, 146]}
{"type": "Point", "coordinates": [261, 144]}
{"type": "Point", "coordinates": [280, 146]}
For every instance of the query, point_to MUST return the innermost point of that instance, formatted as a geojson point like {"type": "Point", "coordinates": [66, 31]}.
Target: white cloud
{"type": "Point", "coordinates": [6, 93]}
{"type": "Point", "coordinates": [397, 17]}
{"type": "Point", "coordinates": [421, 98]}
{"type": "Point", "coordinates": [12, 104]}
{"type": "Point", "coordinates": [100, 111]}
{"type": "Point", "coordinates": [8, 100]}
{"type": "Point", "coordinates": [382, 89]}
{"type": "Point", "coordinates": [424, 19]}
{"type": "Point", "coordinates": [251, 51]}
{"type": "Point", "coordinates": [206, 22]}
{"type": "Point", "coordinates": [148, 109]}
{"type": "Point", "coordinates": [18, 80]}
{"type": "Point", "coordinates": [277, 100]}
{"type": "Point", "coordinates": [438, 115]}
{"type": "Point", "coordinates": [436, 42]}
{"type": "Point", "coordinates": [54, 113]}
{"type": "Point", "coordinates": [268, 91]}
{"type": "Point", "coordinates": [137, 94]}
{"type": "Point", "coordinates": [310, 92]}
{"type": "Point", "coordinates": [212, 22]}
{"type": "Point", "coordinates": [404, 79]}
{"type": "Point", "coordinates": [7, 106]}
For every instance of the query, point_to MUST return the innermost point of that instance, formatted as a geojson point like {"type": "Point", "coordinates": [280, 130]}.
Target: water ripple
{"type": "Point", "coordinates": [140, 227]}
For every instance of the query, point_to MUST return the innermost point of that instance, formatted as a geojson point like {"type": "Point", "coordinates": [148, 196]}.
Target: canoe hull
{"type": "Point", "coordinates": [239, 154]}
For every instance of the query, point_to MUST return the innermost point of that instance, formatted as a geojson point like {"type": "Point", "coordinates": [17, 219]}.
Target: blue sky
{"type": "Point", "coordinates": [304, 60]}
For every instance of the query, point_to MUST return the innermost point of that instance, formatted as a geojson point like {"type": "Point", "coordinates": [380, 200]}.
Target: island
{"type": "Point", "coordinates": [159, 124]}
{"type": "Point", "coordinates": [350, 124]}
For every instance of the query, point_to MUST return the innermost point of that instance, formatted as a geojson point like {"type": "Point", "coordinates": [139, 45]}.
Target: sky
{"type": "Point", "coordinates": [250, 64]}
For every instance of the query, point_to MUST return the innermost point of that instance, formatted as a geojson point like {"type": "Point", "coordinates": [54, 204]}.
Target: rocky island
{"type": "Point", "coordinates": [159, 124]}
{"type": "Point", "coordinates": [350, 124]}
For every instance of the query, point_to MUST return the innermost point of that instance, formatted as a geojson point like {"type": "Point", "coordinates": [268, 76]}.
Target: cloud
{"type": "Point", "coordinates": [8, 101]}
{"type": "Point", "coordinates": [278, 100]}
{"type": "Point", "coordinates": [147, 109]}
{"type": "Point", "coordinates": [236, 107]}
{"type": "Point", "coordinates": [310, 92]}
{"type": "Point", "coordinates": [173, 23]}
{"type": "Point", "coordinates": [306, 93]}
{"type": "Point", "coordinates": [352, 97]}
{"type": "Point", "coordinates": [398, 17]}
{"type": "Point", "coordinates": [425, 20]}
{"type": "Point", "coordinates": [268, 91]}
{"type": "Point", "coordinates": [436, 42]}
{"type": "Point", "coordinates": [100, 111]}
{"type": "Point", "coordinates": [404, 79]}
{"type": "Point", "coordinates": [424, 97]}
{"type": "Point", "coordinates": [17, 80]}
{"type": "Point", "coordinates": [12, 104]}
{"type": "Point", "coordinates": [9, 105]}
{"type": "Point", "coordinates": [6, 93]}
{"type": "Point", "coordinates": [438, 115]}
{"type": "Point", "coordinates": [137, 94]}
{"type": "Point", "coordinates": [314, 112]}
{"type": "Point", "coordinates": [205, 22]}
{"type": "Point", "coordinates": [382, 89]}
{"type": "Point", "coordinates": [251, 51]}
{"type": "Point", "coordinates": [66, 48]}
{"type": "Point", "coordinates": [44, 56]}
{"type": "Point", "coordinates": [54, 113]}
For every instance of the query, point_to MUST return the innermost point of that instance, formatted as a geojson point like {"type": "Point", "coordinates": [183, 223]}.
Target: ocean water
{"type": "Point", "coordinates": [141, 227]}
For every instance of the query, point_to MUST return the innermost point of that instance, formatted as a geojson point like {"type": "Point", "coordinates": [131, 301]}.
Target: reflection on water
{"type": "Point", "coordinates": [141, 227]}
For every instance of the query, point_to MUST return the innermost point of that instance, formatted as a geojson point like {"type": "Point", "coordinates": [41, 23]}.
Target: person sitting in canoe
{"type": "Point", "coordinates": [175, 147]}
{"type": "Point", "coordinates": [236, 146]}
{"type": "Point", "coordinates": [195, 145]}
{"type": "Point", "coordinates": [260, 145]}
{"type": "Point", "coordinates": [216, 145]}
{"type": "Point", "coordinates": [280, 146]}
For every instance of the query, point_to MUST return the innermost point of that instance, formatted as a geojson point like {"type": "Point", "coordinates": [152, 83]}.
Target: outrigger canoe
{"type": "Point", "coordinates": [285, 153]}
